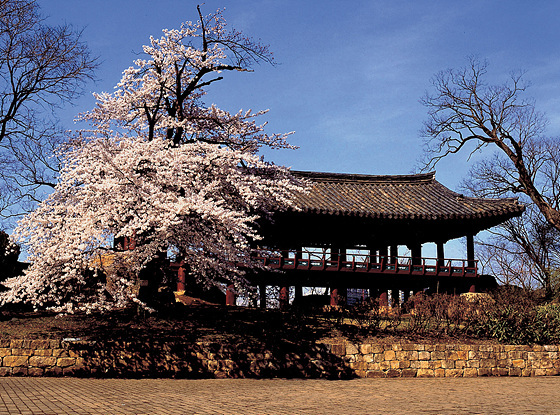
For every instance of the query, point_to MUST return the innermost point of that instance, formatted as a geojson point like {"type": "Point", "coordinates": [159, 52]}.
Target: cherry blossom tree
{"type": "Point", "coordinates": [160, 166]}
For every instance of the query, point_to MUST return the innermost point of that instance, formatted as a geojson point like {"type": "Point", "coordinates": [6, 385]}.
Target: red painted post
{"type": "Point", "coordinates": [334, 296]}
{"type": "Point", "coordinates": [181, 278]}
{"type": "Point", "coordinates": [284, 298]}
{"type": "Point", "coordinates": [230, 295]}
{"type": "Point", "coordinates": [383, 299]}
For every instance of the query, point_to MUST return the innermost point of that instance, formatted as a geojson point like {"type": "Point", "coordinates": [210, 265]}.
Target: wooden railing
{"type": "Point", "coordinates": [310, 261]}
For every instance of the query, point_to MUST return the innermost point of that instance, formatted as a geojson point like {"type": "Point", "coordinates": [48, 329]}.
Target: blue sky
{"type": "Point", "coordinates": [349, 74]}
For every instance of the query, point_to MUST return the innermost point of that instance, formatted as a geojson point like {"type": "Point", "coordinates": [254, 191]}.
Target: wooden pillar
{"type": "Point", "coordinates": [262, 295]}
{"type": "Point", "coordinates": [393, 253]}
{"type": "Point", "coordinates": [181, 277]}
{"type": "Point", "coordinates": [440, 254]}
{"type": "Point", "coordinates": [416, 253]}
{"type": "Point", "coordinates": [284, 298]}
{"type": "Point", "coordinates": [298, 294]}
{"type": "Point", "coordinates": [395, 297]}
{"type": "Point", "coordinates": [470, 251]}
{"type": "Point", "coordinates": [338, 292]}
{"type": "Point", "coordinates": [383, 299]}
{"type": "Point", "coordinates": [230, 295]}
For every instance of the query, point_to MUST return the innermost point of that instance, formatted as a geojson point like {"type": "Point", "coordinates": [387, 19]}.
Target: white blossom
{"type": "Point", "coordinates": [163, 167]}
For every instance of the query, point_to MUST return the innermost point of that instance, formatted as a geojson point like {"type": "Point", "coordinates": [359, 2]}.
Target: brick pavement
{"type": "Point", "coordinates": [279, 396]}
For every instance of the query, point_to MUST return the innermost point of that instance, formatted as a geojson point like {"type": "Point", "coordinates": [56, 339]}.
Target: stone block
{"type": "Point", "coordinates": [425, 373]}
{"type": "Point", "coordinates": [460, 364]}
{"type": "Point", "coordinates": [470, 372]}
{"type": "Point", "coordinates": [35, 371]}
{"type": "Point", "coordinates": [373, 366]}
{"type": "Point", "coordinates": [552, 372]}
{"type": "Point", "coordinates": [518, 363]}
{"type": "Point", "coordinates": [448, 364]}
{"type": "Point", "coordinates": [393, 373]}
{"type": "Point", "coordinates": [515, 354]}
{"type": "Point", "coordinates": [65, 361]}
{"type": "Point", "coordinates": [514, 371]}
{"type": "Point", "coordinates": [5, 371]}
{"type": "Point", "coordinates": [415, 364]}
{"type": "Point", "coordinates": [499, 371]}
{"type": "Point", "coordinates": [539, 372]}
{"type": "Point", "coordinates": [486, 348]}
{"type": "Point", "coordinates": [53, 371]}
{"type": "Point", "coordinates": [526, 372]}
{"type": "Point", "coordinates": [397, 347]}
{"type": "Point", "coordinates": [16, 343]}
{"type": "Point", "coordinates": [351, 348]}
{"type": "Point", "coordinates": [551, 348]}
{"type": "Point", "coordinates": [60, 353]}
{"type": "Point", "coordinates": [42, 352]}
{"type": "Point", "coordinates": [434, 364]}
{"type": "Point", "coordinates": [409, 347]}
{"type": "Point", "coordinates": [367, 358]}
{"type": "Point", "coordinates": [451, 355]}
{"type": "Point", "coordinates": [408, 373]}
{"type": "Point", "coordinates": [19, 371]}
{"type": "Point", "coordinates": [487, 363]}
{"type": "Point", "coordinates": [365, 349]}
{"type": "Point", "coordinates": [15, 361]}
{"type": "Point", "coordinates": [42, 361]}
{"type": "Point", "coordinates": [462, 355]}
{"type": "Point", "coordinates": [5, 343]}
{"type": "Point", "coordinates": [389, 355]}
{"type": "Point", "coordinates": [439, 373]}
{"type": "Point", "coordinates": [375, 374]}
{"type": "Point", "coordinates": [473, 363]}
{"type": "Point", "coordinates": [377, 348]}
{"type": "Point", "coordinates": [22, 352]}
{"type": "Point", "coordinates": [424, 355]}
{"type": "Point", "coordinates": [504, 363]}
{"type": "Point", "coordinates": [453, 373]}
{"type": "Point", "coordinates": [483, 371]}
{"type": "Point", "coordinates": [40, 344]}
{"type": "Point", "coordinates": [404, 364]}
{"type": "Point", "coordinates": [337, 349]}
{"type": "Point", "coordinates": [394, 364]}
{"type": "Point", "coordinates": [438, 355]}
{"type": "Point", "coordinates": [385, 365]}
{"type": "Point", "coordinates": [5, 351]}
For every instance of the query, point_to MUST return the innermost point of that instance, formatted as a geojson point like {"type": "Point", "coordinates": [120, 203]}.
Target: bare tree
{"type": "Point", "coordinates": [464, 109]}
{"type": "Point", "coordinates": [524, 252]}
{"type": "Point", "coordinates": [466, 112]}
{"type": "Point", "coordinates": [41, 68]}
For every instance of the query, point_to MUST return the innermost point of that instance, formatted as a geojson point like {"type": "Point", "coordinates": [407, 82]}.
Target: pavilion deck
{"type": "Point", "coordinates": [359, 263]}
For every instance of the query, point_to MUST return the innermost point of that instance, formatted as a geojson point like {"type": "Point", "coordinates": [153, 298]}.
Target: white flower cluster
{"type": "Point", "coordinates": [161, 166]}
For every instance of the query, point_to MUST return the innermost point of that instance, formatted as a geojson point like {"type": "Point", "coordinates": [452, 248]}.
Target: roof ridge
{"type": "Point", "coordinates": [353, 177]}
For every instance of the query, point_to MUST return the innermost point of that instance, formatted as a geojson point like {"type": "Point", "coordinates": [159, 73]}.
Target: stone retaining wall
{"type": "Point", "coordinates": [38, 358]}
{"type": "Point", "coordinates": [216, 360]}
{"type": "Point", "coordinates": [448, 360]}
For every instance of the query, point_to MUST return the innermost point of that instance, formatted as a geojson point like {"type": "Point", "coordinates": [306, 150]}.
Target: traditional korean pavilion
{"type": "Point", "coordinates": [348, 230]}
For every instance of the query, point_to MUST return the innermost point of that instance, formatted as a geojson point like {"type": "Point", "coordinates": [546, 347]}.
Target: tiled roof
{"type": "Point", "coordinates": [418, 196]}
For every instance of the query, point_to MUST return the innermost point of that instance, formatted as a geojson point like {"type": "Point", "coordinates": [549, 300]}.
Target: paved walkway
{"type": "Point", "coordinates": [362, 396]}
